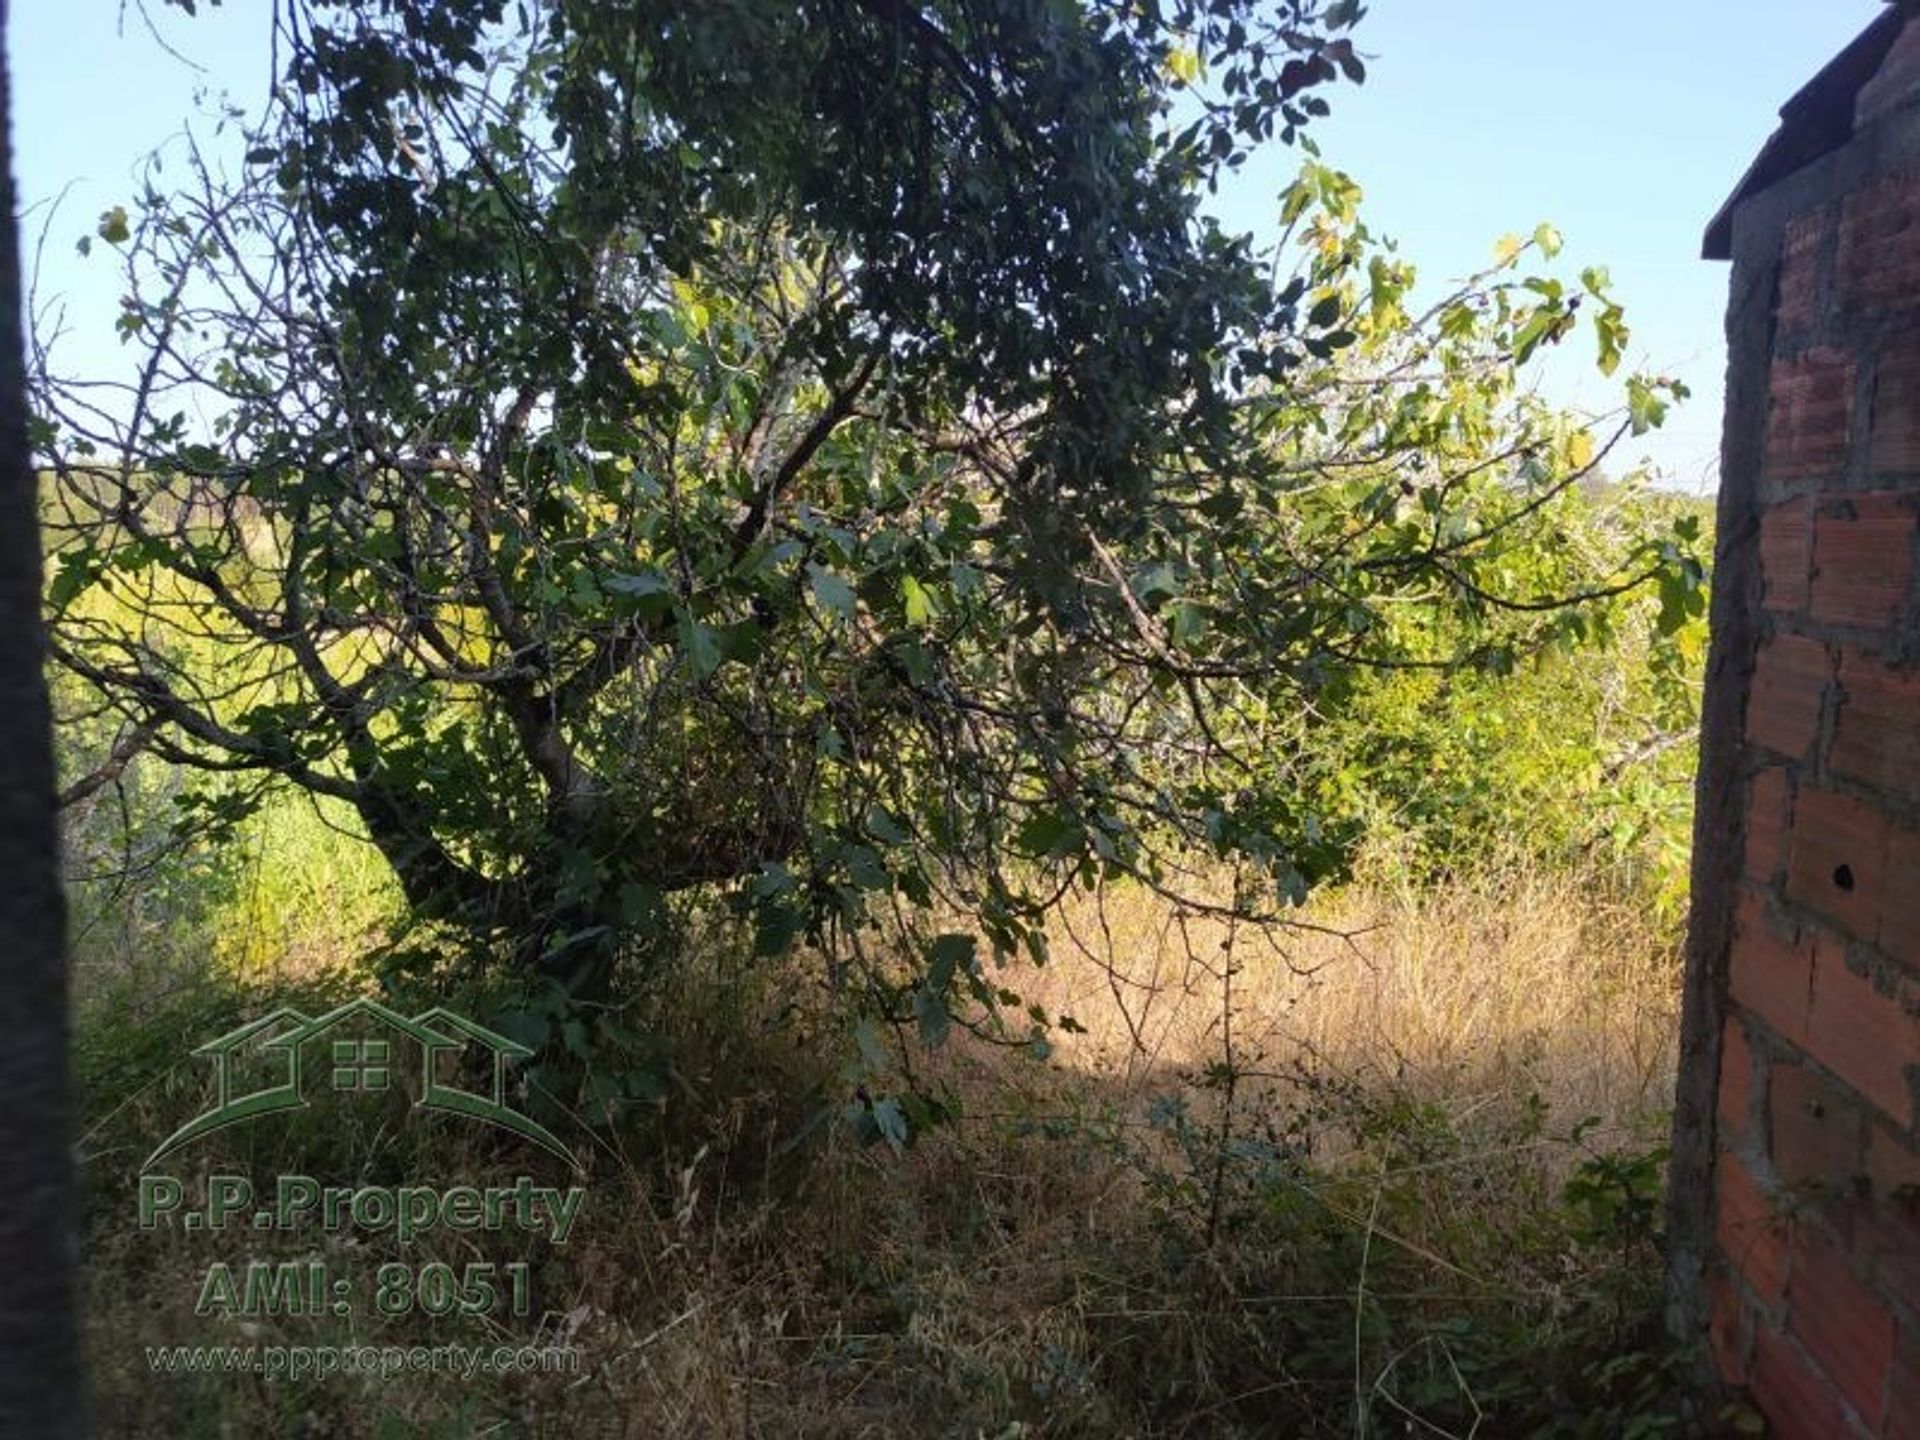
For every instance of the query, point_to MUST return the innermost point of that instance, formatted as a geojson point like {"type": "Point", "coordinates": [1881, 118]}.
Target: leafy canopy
{"type": "Point", "coordinates": [819, 452]}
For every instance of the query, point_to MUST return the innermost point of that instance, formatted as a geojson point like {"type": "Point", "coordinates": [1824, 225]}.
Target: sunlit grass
{"type": "Point", "coordinates": [1513, 982]}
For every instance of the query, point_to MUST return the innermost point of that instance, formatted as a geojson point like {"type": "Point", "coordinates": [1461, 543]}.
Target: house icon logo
{"type": "Point", "coordinates": [361, 1046]}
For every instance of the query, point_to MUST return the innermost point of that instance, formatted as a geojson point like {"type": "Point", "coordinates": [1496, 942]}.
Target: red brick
{"type": "Point", "coordinates": [1749, 1230]}
{"type": "Point", "coordinates": [1813, 1133]}
{"type": "Point", "coordinates": [1790, 677]}
{"type": "Point", "coordinates": [1891, 1245]}
{"type": "Point", "coordinates": [1734, 1093]}
{"type": "Point", "coordinates": [1771, 974]}
{"type": "Point", "coordinates": [1842, 1323]}
{"type": "Point", "coordinates": [1837, 859]}
{"type": "Point", "coordinates": [1769, 809]}
{"type": "Point", "coordinates": [1786, 555]}
{"type": "Point", "coordinates": [1893, 1223]}
{"type": "Point", "coordinates": [1894, 444]}
{"type": "Point", "coordinates": [1724, 1322]}
{"type": "Point", "coordinates": [1879, 263]}
{"type": "Point", "coordinates": [1799, 304]}
{"type": "Point", "coordinates": [1900, 908]}
{"type": "Point", "coordinates": [1862, 559]}
{"type": "Point", "coordinates": [1864, 1033]}
{"type": "Point", "coordinates": [1797, 1400]}
{"type": "Point", "coordinates": [1877, 735]}
{"type": "Point", "coordinates": [1810, 423]}
{"type": "Point", "coordinates": [1894, 1167]}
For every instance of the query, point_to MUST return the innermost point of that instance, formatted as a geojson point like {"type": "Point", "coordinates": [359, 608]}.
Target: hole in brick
{"type": "Point", "coordinates": [1843, 877]}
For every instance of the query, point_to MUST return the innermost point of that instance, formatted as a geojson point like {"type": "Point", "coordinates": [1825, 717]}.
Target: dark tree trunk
{"type": "Point", "coordinates": [39, 1350]}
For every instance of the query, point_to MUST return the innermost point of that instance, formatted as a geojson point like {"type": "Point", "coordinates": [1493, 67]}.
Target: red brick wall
{"type": "Point", "coordinates": [1814, 1293]}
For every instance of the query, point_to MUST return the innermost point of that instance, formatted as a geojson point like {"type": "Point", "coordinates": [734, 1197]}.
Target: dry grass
{"type": "Point", "coordinates": [1517, 982]}
{"type": "Point", "coordinates": [1354, 1217]}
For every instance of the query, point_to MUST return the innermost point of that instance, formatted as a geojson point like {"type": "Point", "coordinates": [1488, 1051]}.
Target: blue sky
{"type": "Point", "coordinates": [1625, 124]}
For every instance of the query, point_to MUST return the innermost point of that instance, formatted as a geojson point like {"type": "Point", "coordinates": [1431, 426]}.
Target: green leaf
{"type": "Point", "coordinates": [647, 593]}
{"type": "Point", "coordinates": [1546, 324]}
{"type": "Point", "coordinates": [1189, 622]}
{"type": "Point", "coordinates": [646, 582]}
{"type": "Point", "coordinates": [917, 601]}
{"type": "Point", "coordinates": [775, 927]}
{"type": "Point", "coordinates": [1157, 582]}
{"type": "Point", "coordinates": [948, 953]}
{"type": "Point", "coordinates": [865, 868]}
{"type": "Point", "coordinates": [891, 1121]}
{"type": "Point", "coordinates": [78, 568]}
{"type": "Point", "coordinates": [1047, 832]}
{"type": "Point", "coordinates": [934, 1018]}
{"type": "Point", "coordinates": [700, 645]}
{"type": "Point", "coordinates": [1645, 405]}
{"type": "Point", "coordinates": [1611, 329]}
{"type": "Point", "coordinates": [831, 590]}
{"type": "Point", "coordinates": [113, 227]}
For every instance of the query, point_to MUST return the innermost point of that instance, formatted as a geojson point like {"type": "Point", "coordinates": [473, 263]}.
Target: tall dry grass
{"type": "Point", "coordinates": [1517, 981]}
{"type": "Point", "coordinates": [1061, 1260]}
{"type": "Point", "coordinates": [1286, 1184]}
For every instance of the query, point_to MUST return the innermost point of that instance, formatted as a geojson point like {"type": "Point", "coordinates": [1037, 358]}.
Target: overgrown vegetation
{"type": "Point", "coordinates": [1420, 1179]}
{"type": "Point", "coordinates": [1086, 837]}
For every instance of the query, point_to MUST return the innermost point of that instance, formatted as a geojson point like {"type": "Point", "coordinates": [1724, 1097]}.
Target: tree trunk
{"type": "Point", "coordinates": [39, 1350]}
